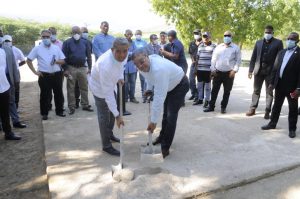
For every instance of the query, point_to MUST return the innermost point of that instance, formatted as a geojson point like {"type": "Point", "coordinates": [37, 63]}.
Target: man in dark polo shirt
{"type": "Point", "coordinates": [77, 51]}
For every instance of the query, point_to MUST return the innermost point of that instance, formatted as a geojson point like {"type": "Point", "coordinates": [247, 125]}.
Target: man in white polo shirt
{"type": "Point", "coordinates": [107, 72]}
{"type": "Point", "coordinates": [4, 98]}
{"type": "Point", "coordinates": [49, 58]}
{"type": "Point", "coordinates": [170, 87]}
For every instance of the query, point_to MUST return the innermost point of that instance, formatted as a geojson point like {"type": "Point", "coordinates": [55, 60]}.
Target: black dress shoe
{"type": "Point", "coordinates": [268, 126]}
{"type": "Point", "coordinates": [223, 110]}
{"type": "Point", "coordinates": [292, 133]}
{"type": "Point", "coordinates": [192, 97]}
{"type": "Point", "coordinates": [196, 99]}
{"type": "Point", "coordinates": [126, 113]}
{"type": "Point", "coordinates": [114, 139]}
{"type": "Point", "coordinates": [71, 111]}
{"type": "Point", "coordinates": [77, 103]}
{"type": "Point", "coordinates": [206, 104]}
{"type": "Point", "coordinates": [19, 125]}
{"type": "Point", "coordinates": [157, 140]}
{"type": "Point", "coordinates": [12, 136]}
{"type": "Point", "coordinates": [209, 109]}
{"type": "Point", "coordinates": [61, 114]}
{"type": "Point", "coordinates": [198, 102]}
{"type": "Point", "coordinates": [112, 151]}
{"type": "Point", "coordinates": [165, 152]}
{"type": "Point", "coordinates": [44, 117]}
{"type": "Point", "coordinates": [88, 108]}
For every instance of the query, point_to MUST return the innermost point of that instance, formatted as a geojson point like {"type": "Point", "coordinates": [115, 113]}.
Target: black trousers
{"type": "Point", "coordinates": [50, 98]}
{"type": "Point", "coordinates": [221, 78]}
{"type": "Point", "coordinates": [172, 104]}
{"type": "Point", "coordinates": [4, 111]}
{"type": "Point", "coordinates": [123, 98]}
{"type": "Point", "coordinates": [47, 83]}
{"type": "Point", "coordinates": [258, 82]}
{"type": "Point", "coordinates": [293, 108]}
{"type": "Point", "coordinates": [17, 94]}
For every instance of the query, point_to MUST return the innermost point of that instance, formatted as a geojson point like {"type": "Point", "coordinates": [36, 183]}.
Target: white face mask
{"type": "Point", "coordinates": [197, 37]}
{"type": "Point", "coordinates": [138, 37]}
{"type": "Point", "coordinates": [76, 36]}
{"type": "Point", "coordinates": [8, 43]}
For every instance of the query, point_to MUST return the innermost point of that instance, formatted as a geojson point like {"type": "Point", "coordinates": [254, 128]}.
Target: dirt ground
{"type": "Point", "coordinates": [23, 167]}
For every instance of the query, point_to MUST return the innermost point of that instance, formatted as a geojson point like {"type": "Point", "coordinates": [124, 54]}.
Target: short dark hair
{"type": "Point", "coordinates": [152, 36]}
{"type": "Point", "coordinates": [269, 27]}
{"type": "Point", "coordinates": [104, 22]}
{"type": "Point", "coordinates": [140, 51]}
{"type": "Point", "coordinates": [163, 33]}
{"type": "Point", "coordinates": [172, 33]}
{"type": "Point", "coordinates": [295, 33]}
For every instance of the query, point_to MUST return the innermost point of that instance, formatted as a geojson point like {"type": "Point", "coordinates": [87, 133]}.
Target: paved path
{"type": "Point", "coordinates": [210, 151]}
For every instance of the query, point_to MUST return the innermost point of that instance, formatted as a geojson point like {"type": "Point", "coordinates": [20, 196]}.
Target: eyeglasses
{"type": "Point", "coordinates": [45, 37]}
{"type": "Point", "coordinates": [227, 35]}
{"type": "Point", "coordinates": [205, 36]}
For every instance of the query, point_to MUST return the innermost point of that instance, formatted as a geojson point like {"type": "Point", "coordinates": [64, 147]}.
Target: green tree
{"type": "Point", "coordinates": [245, 18]}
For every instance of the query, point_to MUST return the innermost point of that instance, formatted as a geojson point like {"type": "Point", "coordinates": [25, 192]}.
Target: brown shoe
{"type": "Point", "coordinates": [251, 112]}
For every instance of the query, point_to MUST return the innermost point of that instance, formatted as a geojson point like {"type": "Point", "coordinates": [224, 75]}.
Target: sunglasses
{"type": "Point", "coordinates": [205, 36]}
{"type": "Point", "coordinates": [227, 35]}
{"type": "Point", "coordinates": [45, 37]}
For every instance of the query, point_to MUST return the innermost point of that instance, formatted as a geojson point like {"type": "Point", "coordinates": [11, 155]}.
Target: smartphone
{"type": "Point", "coordinates": [53, 60]}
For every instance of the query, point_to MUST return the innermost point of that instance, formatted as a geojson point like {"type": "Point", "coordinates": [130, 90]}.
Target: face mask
{"type": "Point", "coordinates": [8, 43]}
{"type": "Point", "coordinates": [85, 35]}
{"type": "Point", "coordinates": [53, 38]}
{"type": "Point", "coordinates": [290, 44]}
{"type": "Point", "coordinates": [46, 42]}
{"type": "Point", "coordinates": [268, 36]}
{"type": "Point", "coordinates": [227, 40]}
{"type": "Point", "coordinates": [138, 37]}
{"type": "Point", "coordinates": [197, 37]}
{"type": "Point", "coordinates": [76, 36]}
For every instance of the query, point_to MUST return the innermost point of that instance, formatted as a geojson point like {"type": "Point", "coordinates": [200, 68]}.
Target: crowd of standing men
{"type": "Point", "coordinates": [162, 69]}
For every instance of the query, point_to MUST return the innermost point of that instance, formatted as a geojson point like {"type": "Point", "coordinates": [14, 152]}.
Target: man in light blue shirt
{"type": "Point", "coordinates": [170, 87]}
{"type": "Point", "coordinates": [140, 43]}
{"type": "Point", "coordinates": [103, 41]}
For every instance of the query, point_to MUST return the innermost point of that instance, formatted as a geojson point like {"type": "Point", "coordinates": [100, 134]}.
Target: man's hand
{"type": "Point", "coordinates": [39, 74]}
{"type": "Point", "coordinates": [232, 74]}
{"type": "Point", "coordinates": [119, 121]}
{"type": "Point", "coordinates": [213, 74]}
{"type": "Point", "coordinates": [271, 87]}
{"type": "Point", "coordinates": [148, 93]}
{"type": "Point", "coordinates": [151, 127]}
{"type": "Point", "coordinates": [250, 75]}
{"type": "Point", "coordinates": [121, 81]}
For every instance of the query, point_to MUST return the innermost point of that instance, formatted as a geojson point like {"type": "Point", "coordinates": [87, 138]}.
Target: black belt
{"type": "Point", "coordinates": [77, 65]}
{"type": "Point", "coordinates": [49, 74]}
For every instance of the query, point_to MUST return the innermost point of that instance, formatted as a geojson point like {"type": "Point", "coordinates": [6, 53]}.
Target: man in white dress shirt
{"type": "Point", "coordinates": [225, 62]}
{"type": "Point", "coordinates": [170, 87]}
{"type": "Point", "coordinates": [107, 72]}
{"type": "Point", "coordinates": [4, 98]}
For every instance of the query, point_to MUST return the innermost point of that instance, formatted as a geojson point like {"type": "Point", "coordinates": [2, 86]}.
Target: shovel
{"type": "Point", "coordinates": [118, 173]}
{"type": "Point", "coordinates": [151, 154]}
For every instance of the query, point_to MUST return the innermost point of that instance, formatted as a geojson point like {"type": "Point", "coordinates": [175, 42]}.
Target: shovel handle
{"type": "Point", "coordinates": [122, 128]}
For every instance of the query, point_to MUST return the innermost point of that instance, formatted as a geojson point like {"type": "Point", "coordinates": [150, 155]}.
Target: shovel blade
{"type": "Point", "coordinates": [151, 155]}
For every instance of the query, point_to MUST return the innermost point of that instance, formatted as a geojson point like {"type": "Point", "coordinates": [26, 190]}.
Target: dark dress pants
{"type": "Point", "coordinates": [4, 111]}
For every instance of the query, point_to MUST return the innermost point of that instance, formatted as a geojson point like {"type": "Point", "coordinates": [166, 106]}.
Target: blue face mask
{"type": "Point", "coordinates": [46, 42]}
{"type": "Point", "coordinates": [85, 35]}
{"type": "Point", "coordinates": [53, 38]}
{"type": "Point", "coordinates": [227, 40]}
{"type": "Point", "coordinates": [290, 44]}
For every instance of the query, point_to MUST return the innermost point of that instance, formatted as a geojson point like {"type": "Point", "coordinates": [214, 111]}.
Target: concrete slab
{"type": "Point", "coordinates": [210, 150]}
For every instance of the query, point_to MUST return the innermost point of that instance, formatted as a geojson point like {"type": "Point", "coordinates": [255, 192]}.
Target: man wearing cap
{"type": "Point", "coordinates": [20, 61]}
{"type": "Point", "coordinates": [193, 48]}
{"type": "Point", "coordinates": [203, 64]}
{"type": "Point", "coordinates": [261, 65]}
{"type": "Point", "coordinates": [13, 77]}
{"type": "Point", "coordinates": [153, 47]}
{"type": "Point", "coordinates": [226, 60]}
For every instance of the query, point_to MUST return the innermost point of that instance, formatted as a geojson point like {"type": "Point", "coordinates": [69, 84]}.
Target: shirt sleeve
{"type": "Point", "coordinates": [214, 59]}
{"type": "Point", "coordinates": [96, 48]}
{"type": "Point", "coordinates": [238, 59]}
{"type": "Point", "coordinates": [20, 56]}
{"type": "Point", "coordinates": [160, 93]}
{"type": "Point", "coordinates": [33, 54]}
{"type": "Point", "coordinates": [60, 54]}
{"type": "Point", "coordinates": [108, 89]}
{"type": "Point", "coordinates": [177, 48]}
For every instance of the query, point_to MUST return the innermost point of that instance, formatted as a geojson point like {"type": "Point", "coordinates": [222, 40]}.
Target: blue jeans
{"type": "Point", "coordinates": [130, 80]}
{"type": "Point", "coordinates": [172, 104]}
{"type": "Point", "coordinates": [106, 121]}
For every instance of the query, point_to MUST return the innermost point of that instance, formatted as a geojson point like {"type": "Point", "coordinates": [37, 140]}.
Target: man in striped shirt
{"type": "Point", "coordinates": [204, 55]}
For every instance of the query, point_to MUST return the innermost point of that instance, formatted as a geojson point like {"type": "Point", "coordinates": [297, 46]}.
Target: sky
{"type": "Point", "coordinates": [121, 14]}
